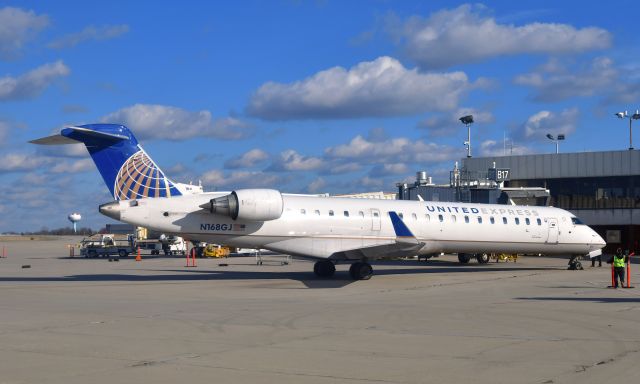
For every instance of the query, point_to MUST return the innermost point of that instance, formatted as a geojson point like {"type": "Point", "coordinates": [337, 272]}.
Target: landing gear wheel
{"type": "Point", "coordinates": [464, 258]}
{"type": "Point", "coordinates": [360, 271]}
{"type": "Point", "coordinates": [483, 258]}
{"type": "Point", "coordinates": [324, 268]}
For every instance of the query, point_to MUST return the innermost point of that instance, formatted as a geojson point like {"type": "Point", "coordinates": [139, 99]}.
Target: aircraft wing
{"type": "Point", "coordinates": [404, 244]}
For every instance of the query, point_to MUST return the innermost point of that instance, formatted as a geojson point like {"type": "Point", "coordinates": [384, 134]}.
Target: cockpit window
{"type": "Point", "coordinates": [576, 221]}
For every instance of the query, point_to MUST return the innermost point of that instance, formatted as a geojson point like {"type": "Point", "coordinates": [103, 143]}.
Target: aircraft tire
{"type": "Point", "coordinates": [464, 258]}
{"type": "Point", "coordinates": [324, 268]}
{"type": "Point", "coordinates": [483, 258]}
{"type": "Point", "coordinates": [360, 271]}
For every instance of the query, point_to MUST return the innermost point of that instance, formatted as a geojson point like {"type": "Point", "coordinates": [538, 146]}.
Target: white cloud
{"type": "Point", "coordinates": [152, 121]}
{"type": "Point", "coordinates": [75, 166]}
{"type": "Point", "coordinates": [67, 150]}
{"type": "Point", "coordinates": [17, 27]}
{"type": "Point", "coordinates": [317, 185]}
{"type": "Point", "coordinates": [553, 82]}
{"type": "Point", "coordinates": [291, 160]}
{"type": "Point", "coordinates": [370, 183]}
{"type": "Point", "coordinates": [240, 179]}
{"type": "Point", "coordinates": [545, 122]}
{"type": "Point", "coordinates": [383, 87]}
{"type": "Point", "coordinates": [21, 162]}
{"type": "Point", "coordinates": [90, 32]}
{"type": "Point", "coordinates": [247, 160]}
{"type": "Point", "coordinates": [336, 168]}
{"type": "Point", "coordinates": [32, 83]}
{"type": "Point", "coordinates": [490, 148]}
{"type": "Point", "coordinates": [382, 170]}
{"type": "Point", "coordinates": [443, 125]}
{"type": "Point", "coordinates": [393, 150]}
{"type": "Point", "coordinates": [468, 34]}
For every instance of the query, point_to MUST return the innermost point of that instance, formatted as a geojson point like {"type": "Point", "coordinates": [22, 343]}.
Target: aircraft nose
{"type": "Point", "coordinates": [597, 240]}
{"type": "Point", "coordinates": [111, 210]}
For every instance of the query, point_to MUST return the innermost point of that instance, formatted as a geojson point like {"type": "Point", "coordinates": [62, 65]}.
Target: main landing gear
{"type": "Point", "coordinates": [482, 258]}
{"type": "Point", "coordinates": [324, 268]}
{"type": "Point", "coordinates": [359, 270]}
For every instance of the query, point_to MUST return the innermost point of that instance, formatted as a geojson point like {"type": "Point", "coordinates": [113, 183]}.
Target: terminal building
{"type": "Point", "coordinates": [601, 188]}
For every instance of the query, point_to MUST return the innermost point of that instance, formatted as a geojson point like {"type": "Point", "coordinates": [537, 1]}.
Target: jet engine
{"type": "Point", "coordinates": [249, 204]}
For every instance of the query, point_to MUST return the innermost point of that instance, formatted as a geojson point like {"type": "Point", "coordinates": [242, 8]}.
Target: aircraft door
{"type": "Point", "coordinates": [553, 231]}
{"type": "Point", "coordinates": [375, 219]}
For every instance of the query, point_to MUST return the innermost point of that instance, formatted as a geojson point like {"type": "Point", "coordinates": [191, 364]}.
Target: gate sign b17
{"type": "Point", "coordinates": [499, 174]}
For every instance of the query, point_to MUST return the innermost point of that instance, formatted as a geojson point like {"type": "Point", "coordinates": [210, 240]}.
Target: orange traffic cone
{"type": "Point", "coordinates": [138, 257]}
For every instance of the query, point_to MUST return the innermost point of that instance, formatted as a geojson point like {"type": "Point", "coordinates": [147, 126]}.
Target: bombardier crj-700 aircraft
{"type": "Point", "coordinates": [327, 229]}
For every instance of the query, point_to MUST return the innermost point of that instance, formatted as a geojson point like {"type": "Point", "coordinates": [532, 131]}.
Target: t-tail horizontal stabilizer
{"type": "Point", "coordinates": [126, 169]}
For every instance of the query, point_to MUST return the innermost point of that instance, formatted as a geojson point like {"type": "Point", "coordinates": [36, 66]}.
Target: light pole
{"type": "Point", "coordinates": [556, 139]}
{"type": "Point", "coordinates": [635, 116]}
{"type": "Point", "coordinates": [467, 120]}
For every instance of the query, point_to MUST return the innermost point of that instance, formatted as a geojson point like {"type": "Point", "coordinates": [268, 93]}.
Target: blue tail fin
{"type": "Point", "coordinates": [125, 167]}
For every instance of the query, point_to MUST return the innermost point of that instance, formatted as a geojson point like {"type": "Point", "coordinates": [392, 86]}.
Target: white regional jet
{"type": "Point", "coordinates": [326, 229]}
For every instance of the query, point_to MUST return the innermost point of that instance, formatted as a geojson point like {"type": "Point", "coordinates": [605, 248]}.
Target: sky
{"type": "Point", "coordinates": [302, 96]}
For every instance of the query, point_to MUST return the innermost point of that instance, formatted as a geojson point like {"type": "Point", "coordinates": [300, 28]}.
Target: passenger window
{"type": "Point", "coordinates": [303, 211]}
{"type": "Point", "coordinates": [376, 214]}
{"type": "Point", "coordinates": [453, 218]}
{"type": "Point", "coordinates": [317, 212]}
{"type": "Point", "coordinates": [479, 220]}
{"type": "Point", "coordinates": [441, 218]}
{"type": "Point", "coordinates": [361, 214]}
{"type": "Point", "coordinates": [504, 220]}
{"type": "Point", "coordinates": [517, 221]}
{"type": "Point", "coordinates": [346, 213]}
{"type": "Point", "coordinates": [466, 219]}
{"type": "Point", "coordinates": [526, 221]}
{"type": "Point", "coordinates": [401, 215]}
{"type": "Point", "coordinates": [330, 212]}
{"type": "Point", "coordinates": [414, 216]}
{"type": "Point", "coordinates": [492, 220]}
{"type": "Point", "coordinates": [539, 221]}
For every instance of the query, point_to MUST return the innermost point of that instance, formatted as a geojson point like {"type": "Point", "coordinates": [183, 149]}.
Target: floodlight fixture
{"type": "Point", "coordinates": [467, 120]}
{"type": "Point", "coordinates": [635, 116]}
{"type": "Point", "coordinates": [556, 139]}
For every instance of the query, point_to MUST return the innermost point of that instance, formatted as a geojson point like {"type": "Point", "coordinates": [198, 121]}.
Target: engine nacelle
{"type": "Point", "coordinates": [249, 204]}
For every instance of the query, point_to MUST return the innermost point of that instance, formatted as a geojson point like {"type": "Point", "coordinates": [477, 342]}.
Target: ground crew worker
{"type": "Point", "coordinates": [593, 261]}
{"type": "Point", "coordinates": [619, 260]}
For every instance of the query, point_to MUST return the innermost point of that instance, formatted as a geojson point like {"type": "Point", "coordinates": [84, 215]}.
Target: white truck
{"type": "Point", "coordinates": [101, 245]}
{"type": "Point", "coordinates": [168, 245]}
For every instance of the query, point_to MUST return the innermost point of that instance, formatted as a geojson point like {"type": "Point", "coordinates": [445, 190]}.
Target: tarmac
{"type": "Point", "coordinates": [75, 320]}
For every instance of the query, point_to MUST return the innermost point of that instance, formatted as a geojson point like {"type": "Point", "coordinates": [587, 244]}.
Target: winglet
{"type": "Point", "coordinates": [399, 227]}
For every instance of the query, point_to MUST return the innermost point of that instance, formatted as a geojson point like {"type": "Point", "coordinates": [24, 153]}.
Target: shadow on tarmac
{"type": "Point", "coordinates": [586, 299]}
{"type": "Point", "coordinates": [340, 279]}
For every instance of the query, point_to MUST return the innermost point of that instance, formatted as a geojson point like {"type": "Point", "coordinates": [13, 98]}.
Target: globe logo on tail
{"type": "Point", "coordinates": [140, 177]}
